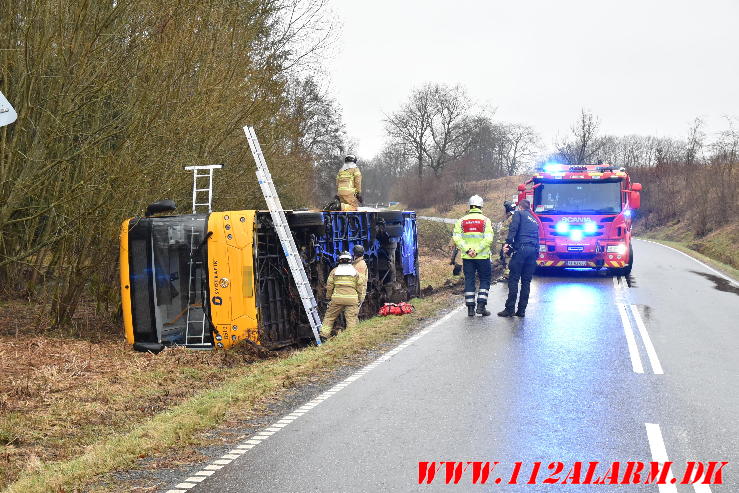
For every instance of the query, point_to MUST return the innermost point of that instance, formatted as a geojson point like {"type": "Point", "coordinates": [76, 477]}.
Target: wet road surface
{"type": "Point", "coordinates": [601, 369]}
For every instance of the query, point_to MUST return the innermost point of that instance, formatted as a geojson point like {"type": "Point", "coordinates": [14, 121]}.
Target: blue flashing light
{"type": "Point", "coordinates": [627, 213]}
{"type": "Point", "coordinates": [552, 167]}
{"type": "Point", "coordinates": [590, 227]}
{"type": "Point", "coordinates": [576, 235]}
{"type": "Point", "coordinates": [562, 227]}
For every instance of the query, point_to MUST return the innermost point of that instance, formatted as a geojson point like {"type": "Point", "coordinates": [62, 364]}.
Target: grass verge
{"type": "Point", "coordinates": [252, 386]}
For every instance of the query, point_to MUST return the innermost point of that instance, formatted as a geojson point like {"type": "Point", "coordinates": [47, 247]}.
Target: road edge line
{"type": "Point", "coordinates": [268, 431]}
{"type": "Point", "coordinates": [731, 280]}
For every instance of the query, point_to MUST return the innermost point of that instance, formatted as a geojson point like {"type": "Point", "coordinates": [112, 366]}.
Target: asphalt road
{"type": "Point", "coordinates": [560, 385]}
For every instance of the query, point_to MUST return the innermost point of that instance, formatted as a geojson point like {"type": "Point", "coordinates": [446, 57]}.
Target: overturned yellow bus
{"type": "Point", "coordinates": [211, 280]}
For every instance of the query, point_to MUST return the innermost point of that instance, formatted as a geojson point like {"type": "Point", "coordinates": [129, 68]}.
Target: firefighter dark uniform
{"type": "Point", "coordinates": [523, 237]}
{"type": "Point", "coordinates": [349, 185]}
{"type": "Point", "coordinates": [473, 233]}
{"type": "Point", "coordinates": [346, 288]}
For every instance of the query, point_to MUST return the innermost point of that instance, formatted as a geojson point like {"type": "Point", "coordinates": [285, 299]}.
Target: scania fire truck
{"type": "Point", "coordinates": [585, 215]}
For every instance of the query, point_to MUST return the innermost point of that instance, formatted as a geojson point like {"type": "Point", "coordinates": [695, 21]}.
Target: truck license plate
{"type": "Point", "coordinates": [577, 263]}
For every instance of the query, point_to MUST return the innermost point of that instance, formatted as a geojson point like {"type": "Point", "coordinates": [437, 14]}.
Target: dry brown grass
{"type": "Point", "coordinates": [60, 394]}
{"type": "Point", "coordinates": [129, 405]}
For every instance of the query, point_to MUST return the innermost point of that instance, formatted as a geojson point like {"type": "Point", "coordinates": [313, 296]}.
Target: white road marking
{"type": "Point", "coordinates": [636, 363]}
{"type": "Point", "coordinates": [653, 359]}
{"type": "Point", "coordinates": [734, 281]}
{"type": "Point", "coordinates": [659, 454]}
{"type": "Point", "coordinates": [263, 435]}
{"type": "Point", "coordinates": [699, 487]}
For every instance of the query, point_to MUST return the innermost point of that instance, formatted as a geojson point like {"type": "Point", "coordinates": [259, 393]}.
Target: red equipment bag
{"type": "Point", "coordinates": [395, 309]}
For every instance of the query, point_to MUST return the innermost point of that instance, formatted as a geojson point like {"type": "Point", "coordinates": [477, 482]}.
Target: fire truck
{"type": "Point", "coordinates": [585, 215]}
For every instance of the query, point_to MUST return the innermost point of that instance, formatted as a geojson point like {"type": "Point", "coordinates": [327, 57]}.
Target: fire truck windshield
{"type": "Point", "coordinates": [581, 197]}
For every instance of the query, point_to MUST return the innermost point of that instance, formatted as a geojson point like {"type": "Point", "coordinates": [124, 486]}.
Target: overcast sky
{"type": "Point", "coordinates": [642, 66]}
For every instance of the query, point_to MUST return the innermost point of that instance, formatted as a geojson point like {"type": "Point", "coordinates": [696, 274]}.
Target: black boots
{"type": "Point", "coordinates": [481, 310]}
{"type": "Point", "coordinates": [506, 313]}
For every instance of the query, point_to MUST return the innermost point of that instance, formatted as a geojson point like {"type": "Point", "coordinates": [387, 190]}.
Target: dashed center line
{"type": "Point", "coordinates": [659, 454]}
{"type": "Point", "coordinates": [280, 424]}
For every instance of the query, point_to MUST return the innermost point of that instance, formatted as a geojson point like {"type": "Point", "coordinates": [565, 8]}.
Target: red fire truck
{"type": "Point", "coordinates": [585, 215]}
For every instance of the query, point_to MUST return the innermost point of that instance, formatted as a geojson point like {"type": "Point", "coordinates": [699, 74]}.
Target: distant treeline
{"type": "Point", "coordinates": [439, 142]}
{"type": "Point", "coordinates": [114, 98]}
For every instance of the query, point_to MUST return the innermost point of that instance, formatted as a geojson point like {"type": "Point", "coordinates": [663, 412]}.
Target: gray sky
{"type": "Point", "coordinates": [646, 66]}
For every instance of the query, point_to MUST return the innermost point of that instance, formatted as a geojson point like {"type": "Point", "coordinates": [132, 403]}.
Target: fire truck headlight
{"type": "Point", "coordinates": [627, 213]}
{"type": "Point", "coordinates": [576, 235]}
{"type": "Point", "coordinates": [562, 227]}
{"type": "Point", "coordinates": [542, 248]}
{"type": "Point", "coordinates": [590, 227]}
{"type": "Point", "coordinates": [619, 249]}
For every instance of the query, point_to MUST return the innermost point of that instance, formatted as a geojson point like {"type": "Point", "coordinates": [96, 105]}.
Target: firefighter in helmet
{"type": "Point", "coordinates": [346, 289]}
{"type": "Point", "coordinates": [473, 236]}
{"type": "Point", "coordinates": [361, 266]}
{"type": "Point", "coordinates": [349, 184]}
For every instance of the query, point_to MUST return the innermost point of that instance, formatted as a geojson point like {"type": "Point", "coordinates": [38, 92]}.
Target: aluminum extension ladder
{"type": "Point", "coordinates": [283, 232]}
{"type": "Point", "coordinates": [196, 320]}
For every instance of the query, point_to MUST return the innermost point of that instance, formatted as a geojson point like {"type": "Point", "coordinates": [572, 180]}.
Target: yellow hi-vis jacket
{"type": "Point", "coordinates": [349, 181]}
{"type": "Point", "coordinates": [345, 285]}
{"type": "Point", "coordinates": [474, 231]}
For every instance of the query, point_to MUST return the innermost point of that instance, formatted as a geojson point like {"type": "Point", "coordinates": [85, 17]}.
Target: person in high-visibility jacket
{"type": "Point", "coordinates": [346, 288]}
{"type": "Point", "coordinates": [473, 235]}
{"type": "Point", "coordinates": [349, 184]}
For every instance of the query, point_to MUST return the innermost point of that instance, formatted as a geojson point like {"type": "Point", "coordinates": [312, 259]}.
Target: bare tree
{"type": "Point", "coordinates": [410, 127]}
{"type": "Point", "coordinates": [584, 145]}
{"type": "Point", "coordinates": [451, 127]}
{"type": "Point", "coordinates": [522, 145]}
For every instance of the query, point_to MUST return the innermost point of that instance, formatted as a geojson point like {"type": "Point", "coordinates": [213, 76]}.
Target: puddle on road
{"type": "Point", "coordinates": [720, 283]}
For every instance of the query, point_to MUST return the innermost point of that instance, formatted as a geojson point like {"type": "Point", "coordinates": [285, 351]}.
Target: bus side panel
{"type": "Point", "coordinates": [233, 306]}
{"type": "Point", "coordinates": [126, 283]}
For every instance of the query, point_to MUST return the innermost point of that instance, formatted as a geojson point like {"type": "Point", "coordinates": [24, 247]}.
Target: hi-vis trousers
{"type": "Point", "coordinates": [484, 271]}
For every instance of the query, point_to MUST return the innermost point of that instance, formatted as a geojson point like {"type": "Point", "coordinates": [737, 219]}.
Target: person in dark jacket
{"type": "Point", "coordinates": [523, 240]}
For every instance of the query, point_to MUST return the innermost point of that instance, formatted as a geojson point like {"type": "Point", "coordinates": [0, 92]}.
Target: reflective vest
{"type": "Point", "coordinates": [349, 181]}
{"type": "Point", "coordinates": [345, 285]}
{"type": "Point", "coordinates": [473, 231]}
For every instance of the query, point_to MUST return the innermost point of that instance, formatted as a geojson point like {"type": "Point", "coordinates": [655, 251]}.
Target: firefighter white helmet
{"type": "Point", "coordinates": [345, 257]}
{"type": "Point", "coordinates": [475, 201]}
{"type": "Point", "coordinates": [351, 158]}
